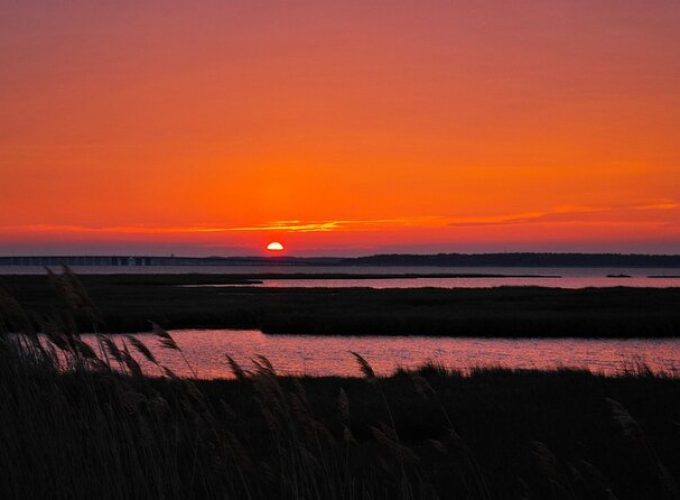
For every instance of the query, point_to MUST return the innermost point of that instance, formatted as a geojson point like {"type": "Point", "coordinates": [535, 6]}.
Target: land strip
{"type": "Point", "coordinates": [127, 303]}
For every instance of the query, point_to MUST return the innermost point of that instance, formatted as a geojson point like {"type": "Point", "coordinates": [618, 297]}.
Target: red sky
{"type": "Point", "coordinates": [353, 127]}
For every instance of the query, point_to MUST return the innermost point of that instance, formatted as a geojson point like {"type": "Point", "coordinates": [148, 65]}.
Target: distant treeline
{"type": "Point", "coordinates": [520, 260]}
{"type": "Point", "coordinates": [441, 260]}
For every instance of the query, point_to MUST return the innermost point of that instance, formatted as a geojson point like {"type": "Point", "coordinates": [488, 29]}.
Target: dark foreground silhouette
{"type": "Point", "coordinates": [78, 422]}
{"type": "Point", "coordinates": [93, 433]}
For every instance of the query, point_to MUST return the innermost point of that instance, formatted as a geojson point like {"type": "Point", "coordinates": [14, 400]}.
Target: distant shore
{"type": "Point", "coordinates": [517, 259]}
{"type": "Point", "coordinates": [128, 302]}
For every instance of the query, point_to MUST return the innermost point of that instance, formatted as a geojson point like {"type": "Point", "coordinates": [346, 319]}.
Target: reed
{"type": "Point", "coordinates": [80, 422]}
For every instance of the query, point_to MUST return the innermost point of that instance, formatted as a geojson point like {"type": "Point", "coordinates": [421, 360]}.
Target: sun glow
{"type": "Point", "coordinates": [416, 132]}
{"type": "Point", "coordinates": [275, 246]}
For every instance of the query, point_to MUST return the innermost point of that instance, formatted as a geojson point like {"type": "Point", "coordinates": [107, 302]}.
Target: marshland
{"type": "Point", "coordinates": [127, 303]}
{"type": "Point", "coordinates": [111, 420]}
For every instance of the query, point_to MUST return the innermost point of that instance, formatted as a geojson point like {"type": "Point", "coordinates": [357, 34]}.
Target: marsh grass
{"type": "Point", "coordinates": [127, 302]}
{"type": "Point", "coordinates": [84, 422]}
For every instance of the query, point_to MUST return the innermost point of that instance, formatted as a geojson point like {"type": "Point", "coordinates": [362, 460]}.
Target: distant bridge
{"type": "Point", "coordinates": [90, 260]}
{"type": "Point", "coordinates": [122, 261]}
{"type": "Point", "coordinates": [135, 260]}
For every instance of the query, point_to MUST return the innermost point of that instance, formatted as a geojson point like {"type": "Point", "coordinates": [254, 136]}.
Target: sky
{"type": "Point", "coordinates": [339, 127]}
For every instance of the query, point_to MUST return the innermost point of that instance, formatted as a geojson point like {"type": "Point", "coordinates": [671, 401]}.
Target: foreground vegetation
{"type": "Point", "coordinates": [77, 422]}
{"type": "Point", "coordinates": [128, 302]}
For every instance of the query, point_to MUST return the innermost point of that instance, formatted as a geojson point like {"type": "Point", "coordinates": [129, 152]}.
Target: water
{"type": "Point", "coordinates": [329, 355]}
{"type": "Point", "coordinates": [472, 282]}
{"type": "Point", "coordinates": [568, 277]}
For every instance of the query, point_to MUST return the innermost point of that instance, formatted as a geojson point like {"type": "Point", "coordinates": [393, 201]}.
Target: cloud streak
{"type": "Point", "coordinates": [567, 214]}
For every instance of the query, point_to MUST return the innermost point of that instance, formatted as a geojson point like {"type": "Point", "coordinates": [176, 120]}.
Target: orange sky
{"type": "Point", "coordinates": [213, 127]}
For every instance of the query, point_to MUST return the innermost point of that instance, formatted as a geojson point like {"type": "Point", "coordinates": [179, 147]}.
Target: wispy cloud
{"type": "Point", "coordinates": [294, 226]}
{"type": "Point", "coordinates": [568, 214]}
{"type": "Point", "coordinates": [655, 211]}
{"type": "Point", "coordinates": [345, 225]}
{"type": "Point", "coordinates": [135, 229]}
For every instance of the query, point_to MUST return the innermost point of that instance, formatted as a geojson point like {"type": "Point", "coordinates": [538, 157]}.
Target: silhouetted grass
{"type": "Point", "coordinates": [77, 422]}
{"type": "Point", "coordinates": [127, 302]}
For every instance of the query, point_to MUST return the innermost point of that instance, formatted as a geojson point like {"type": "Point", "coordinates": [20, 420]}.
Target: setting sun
{"type": "Point", "coordinates": [275, 246]}
{"type": "Point", "coordinates": [459, 128]}
{"type": "Point", "coordinates": [481, 197]}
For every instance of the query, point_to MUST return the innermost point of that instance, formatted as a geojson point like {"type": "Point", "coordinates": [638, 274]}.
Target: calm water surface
{"type": "Point", "coordinates": [321, 355]}
{"type": "Point", "coordinates": [463, 282]}
{"type": "Point", "coordinates": [568, 277]}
